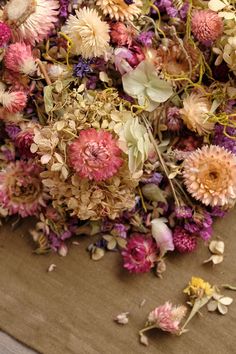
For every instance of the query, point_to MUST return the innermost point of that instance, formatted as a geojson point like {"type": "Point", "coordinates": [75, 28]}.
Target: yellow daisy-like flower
{"type": "Point", "coordinates": [194, 113]}
{"type": "Point", "coordinates": [120, 9]}
{"type": "Point", "coordinates": [197, 288]}
{"type": "Point", "coordinates": [88, 33]}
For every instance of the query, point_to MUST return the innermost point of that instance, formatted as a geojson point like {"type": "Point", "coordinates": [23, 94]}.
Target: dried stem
{"type": "Point", "coordinates": [43, 71]}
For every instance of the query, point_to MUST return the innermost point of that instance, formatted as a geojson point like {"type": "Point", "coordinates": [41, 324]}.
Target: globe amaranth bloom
{"type": "Point", "coordinates": [207, 25]}
{"type": "Point", "coordinates": [184, 242]}
{"type": "Point", "coordinates": [140, 254]}
{"type": "Point", "coordinates": [5, 34]}
{"type": "Point", "coordinates": [21, 190]}
{"type": "Point", "coordinates": [95, 155]}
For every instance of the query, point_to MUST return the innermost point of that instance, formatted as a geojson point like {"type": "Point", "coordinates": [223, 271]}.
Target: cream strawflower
{"type": "Point", "coordinates": [210, 175]}
{"type": "Point", "coordinates": [31, 20]}
{"type": "Point", "coordinates": [89, 34]}
{"type": "Point", "coordinates": [194, 113]}
{"type": "Point", "coordinates": [121, 9]}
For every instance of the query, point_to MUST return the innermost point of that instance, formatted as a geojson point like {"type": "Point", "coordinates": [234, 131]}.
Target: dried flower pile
{"type": "Point", "coordinates": [117, 119]}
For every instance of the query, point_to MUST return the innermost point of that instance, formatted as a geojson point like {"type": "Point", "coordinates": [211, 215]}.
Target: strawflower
{"type": "Point", "coordinates": [198, 288]}
{"type": "Point", "coordinates": [140, 254]}
{"type": "Point", "coordinates": [120, 9]}
{"type": "Point", "coordinates": [89, 34]}
{"type": "Point", "coordinates": [95, 155]}
{"type": "Point", "coordinates": [21, 189]}
{"type": "Point", "coordinates": [210, 175]}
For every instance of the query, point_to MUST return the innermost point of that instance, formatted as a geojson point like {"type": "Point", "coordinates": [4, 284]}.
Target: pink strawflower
{"type": "Point", "coordinates": [5, 34]}
{"type": "Point", "coordinates": [207, 26]}
{"type": "Point", "coordinates": [14, 101]}
{"type": "Point", "coordinates": [122, 34]}
{"type": "Point", "coordinates": [23, 142]}
{"type": "Point", "coordinates": [19, 58]}
{"type": "Point", "coordinates": [31, 21]}
{"type": "Point", "coordinates": [167, 317]}
{"type": "Point", "coordinates": [95, 155]}
{"type": "Point", "coordinates": [184, 241]}
{"type": "Point", "coordinates": [140, 254]}
{"type": "Point", "coordinates": [21, 190]}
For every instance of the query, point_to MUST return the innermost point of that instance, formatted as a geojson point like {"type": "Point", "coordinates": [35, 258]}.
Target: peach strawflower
{"type": "Point", "coordinates": [207, 26]}
{"type": "Point", "coordinates": [210, 175]}
{"type": "Point", "coordinates": [95, 155]}
{"type": "Point", "coordinates": [89, 34]}
{"type": "Point", "coordinates": [21, 190]}
{"type": "Point", "coordinates": [31, 20]}
{"type": "Point", "coordinates": [194, 113]}
{"type": "Point", "coordinates": [120, 9]}
{"type": "Point", "coordinates": [19, 58]}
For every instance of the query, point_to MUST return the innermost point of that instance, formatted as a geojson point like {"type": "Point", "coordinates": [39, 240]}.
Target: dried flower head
{"type": "Point", "coordinates": [19, 58]}
{"type": "Point", "coordinates": [194, 113]}
{"type": "Point", "coordinates": [13, 101]}
{"type": "Point", "coordinates": [21, 189]}
{"type": "Point", "coordinates": [89, 34]}
{"type": "Point", "coordinates": [140, 254]}
{"type": "Point", "coordinates": [184, 242]}
{"type": "Point", "coordinates": [5, 34]}
{"type": "Point", "coordinates": [198, 288]}
{"type": "Point", "coordinates": [167, 317]}
{"type": "Point", "coordinates": [122, 34]}
{"type": "Point", "coordinates": [120, 9]}
{"type": "Point", "coordinates": [207, 25]}
{"type": "Point", "coordinates": [31, 20]}
{"type": "Point", "coordinates": [210, 175]}
{"type": "Point", "coordinates": [95, 155]}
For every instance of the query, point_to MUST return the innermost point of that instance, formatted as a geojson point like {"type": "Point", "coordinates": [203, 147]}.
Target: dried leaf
{"type": "Point", "coordinates": [48, 99]}
{"type": "Point", "coordinates": [153, 193]}
{"type": "Point", "coordinates": [111, 244]}
{"type": "Point", "coordinates": [122, 318]}
{"type": "Point", "coordinates": [217, 247]}
{"type": "Point", "coordinates": [217, 259]}
{"type": "Point", "coordinates": [212, 305]}
{"type": "Point", "coordinates": [222, 309]}
{"type": "Point", "coordinates": [143, 339]}
{"type": "Point", "coordinates": [97, 254]}
{"type": "Point", "coordinates": [229, 287]}
{"type": "Point", "coordinates": [226, 300]}
{"type": "Point", "coordinates": [51, 268]}
{"type": "Point", "coordinates": [216, 5]}
{"type": "Point", "coordinates": [45, 159]}
{"type": "Point", "coordinates": [121, 242]}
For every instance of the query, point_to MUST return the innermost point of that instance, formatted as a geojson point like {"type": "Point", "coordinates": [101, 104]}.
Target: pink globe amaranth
{"type": "Point", "coordinates": [19, 58]}
{"type": "Point", "coordinates": [21, 189]}
{"type": "Point", "coordinates": [14, 101]}
{"type": "Point", "coordinates": [140, 254]}
{"type": "Point", "coordinates": [95, 155]}
{"type": "Point", "coordinates": [207, 26]}
{"type": "Point", "coordinates": [23, 142]}
{"type": "Point", "coordinates": [5, 34]}
{"type": "Point", "coordinates": [184, 241]}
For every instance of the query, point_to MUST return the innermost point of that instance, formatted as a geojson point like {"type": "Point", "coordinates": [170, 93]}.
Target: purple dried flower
{"type": "Point", "coordinates": [120, 230]}
{"type": "Point", "coordinates": [173, 119]}
{"type": "Point", "coordinates": [83, 67]}
{"type": "Point", "coordinates": [64, 4]}
{"type": "Point", "coordinates": [221, 139]}
{"type": "Point", "coordinates": [183, 241]}
{"type": "Point", "coordinates": [156, 178]}
{"type": "Point", "coordinates": [12, 130]}
{"type": "Point", "coordinates": [217, 211]}
{"type": "Point", "coordinates": [206, 234]}
{"type": "Point", "coordinates": [183, 212]}
{"type": "Point", "coordinates": [191, 227]}
{"type": "Point", "coordinates": [146, 38]}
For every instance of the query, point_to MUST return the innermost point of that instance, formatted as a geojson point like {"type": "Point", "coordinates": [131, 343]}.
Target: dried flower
{"type": "Point", "coordinates": [95, 155]}
{"type": "Point", "coordinates": [183, 212]}
{"type": "Point", "coordinates": [140, 254]}
{"type": "Point", "coordinates": [23, 142]}
{"type": "Point", "coordinates": [89, 34]}
{"type": "Point", "coordinates": [210, 175]}
{"type": "Point", "coordinates": [173, 120]}
{"type": "Point", "coordinates": [207, 26]}
{"type": "Point", "coordinates": [220, 303]}
{"type": "Point", "coordinates": [144, 84]}
{"type": "Point", "coordinates": [184, 242]}
{"type": "Point", "coordinates": [21, 189]}
{"type": "Point", "coordinates": [120, 9]}
{"type": "Point", "coordinates": [217, 250]}
{"type": "Point", "coordinates": [198, 288]}
{"type": "Point", "coordinates": [19, 58]}
{"type": "Point", "coordinates": [163, 235]}
{"type": "Point", "coordinates": [122, 34]}
{"type": "Point", "coordinates": [194, 113]}
{"type": "Point", "coordinates": [165, 317]}
{"type": "Point", "coordinates": [13, 101]}
{"type": "Point", "coordinates": [31, 21]}
{"type": "Point", "coordinates": [5, 34]}
{"type": "Point", "coordinates": [122, 318]}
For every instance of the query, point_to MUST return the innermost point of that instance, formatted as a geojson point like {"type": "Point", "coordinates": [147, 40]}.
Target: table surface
{"type": "Point", "coordinates": [9, 345]}
{"type": "Point", "coordinates": [71, 310]}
